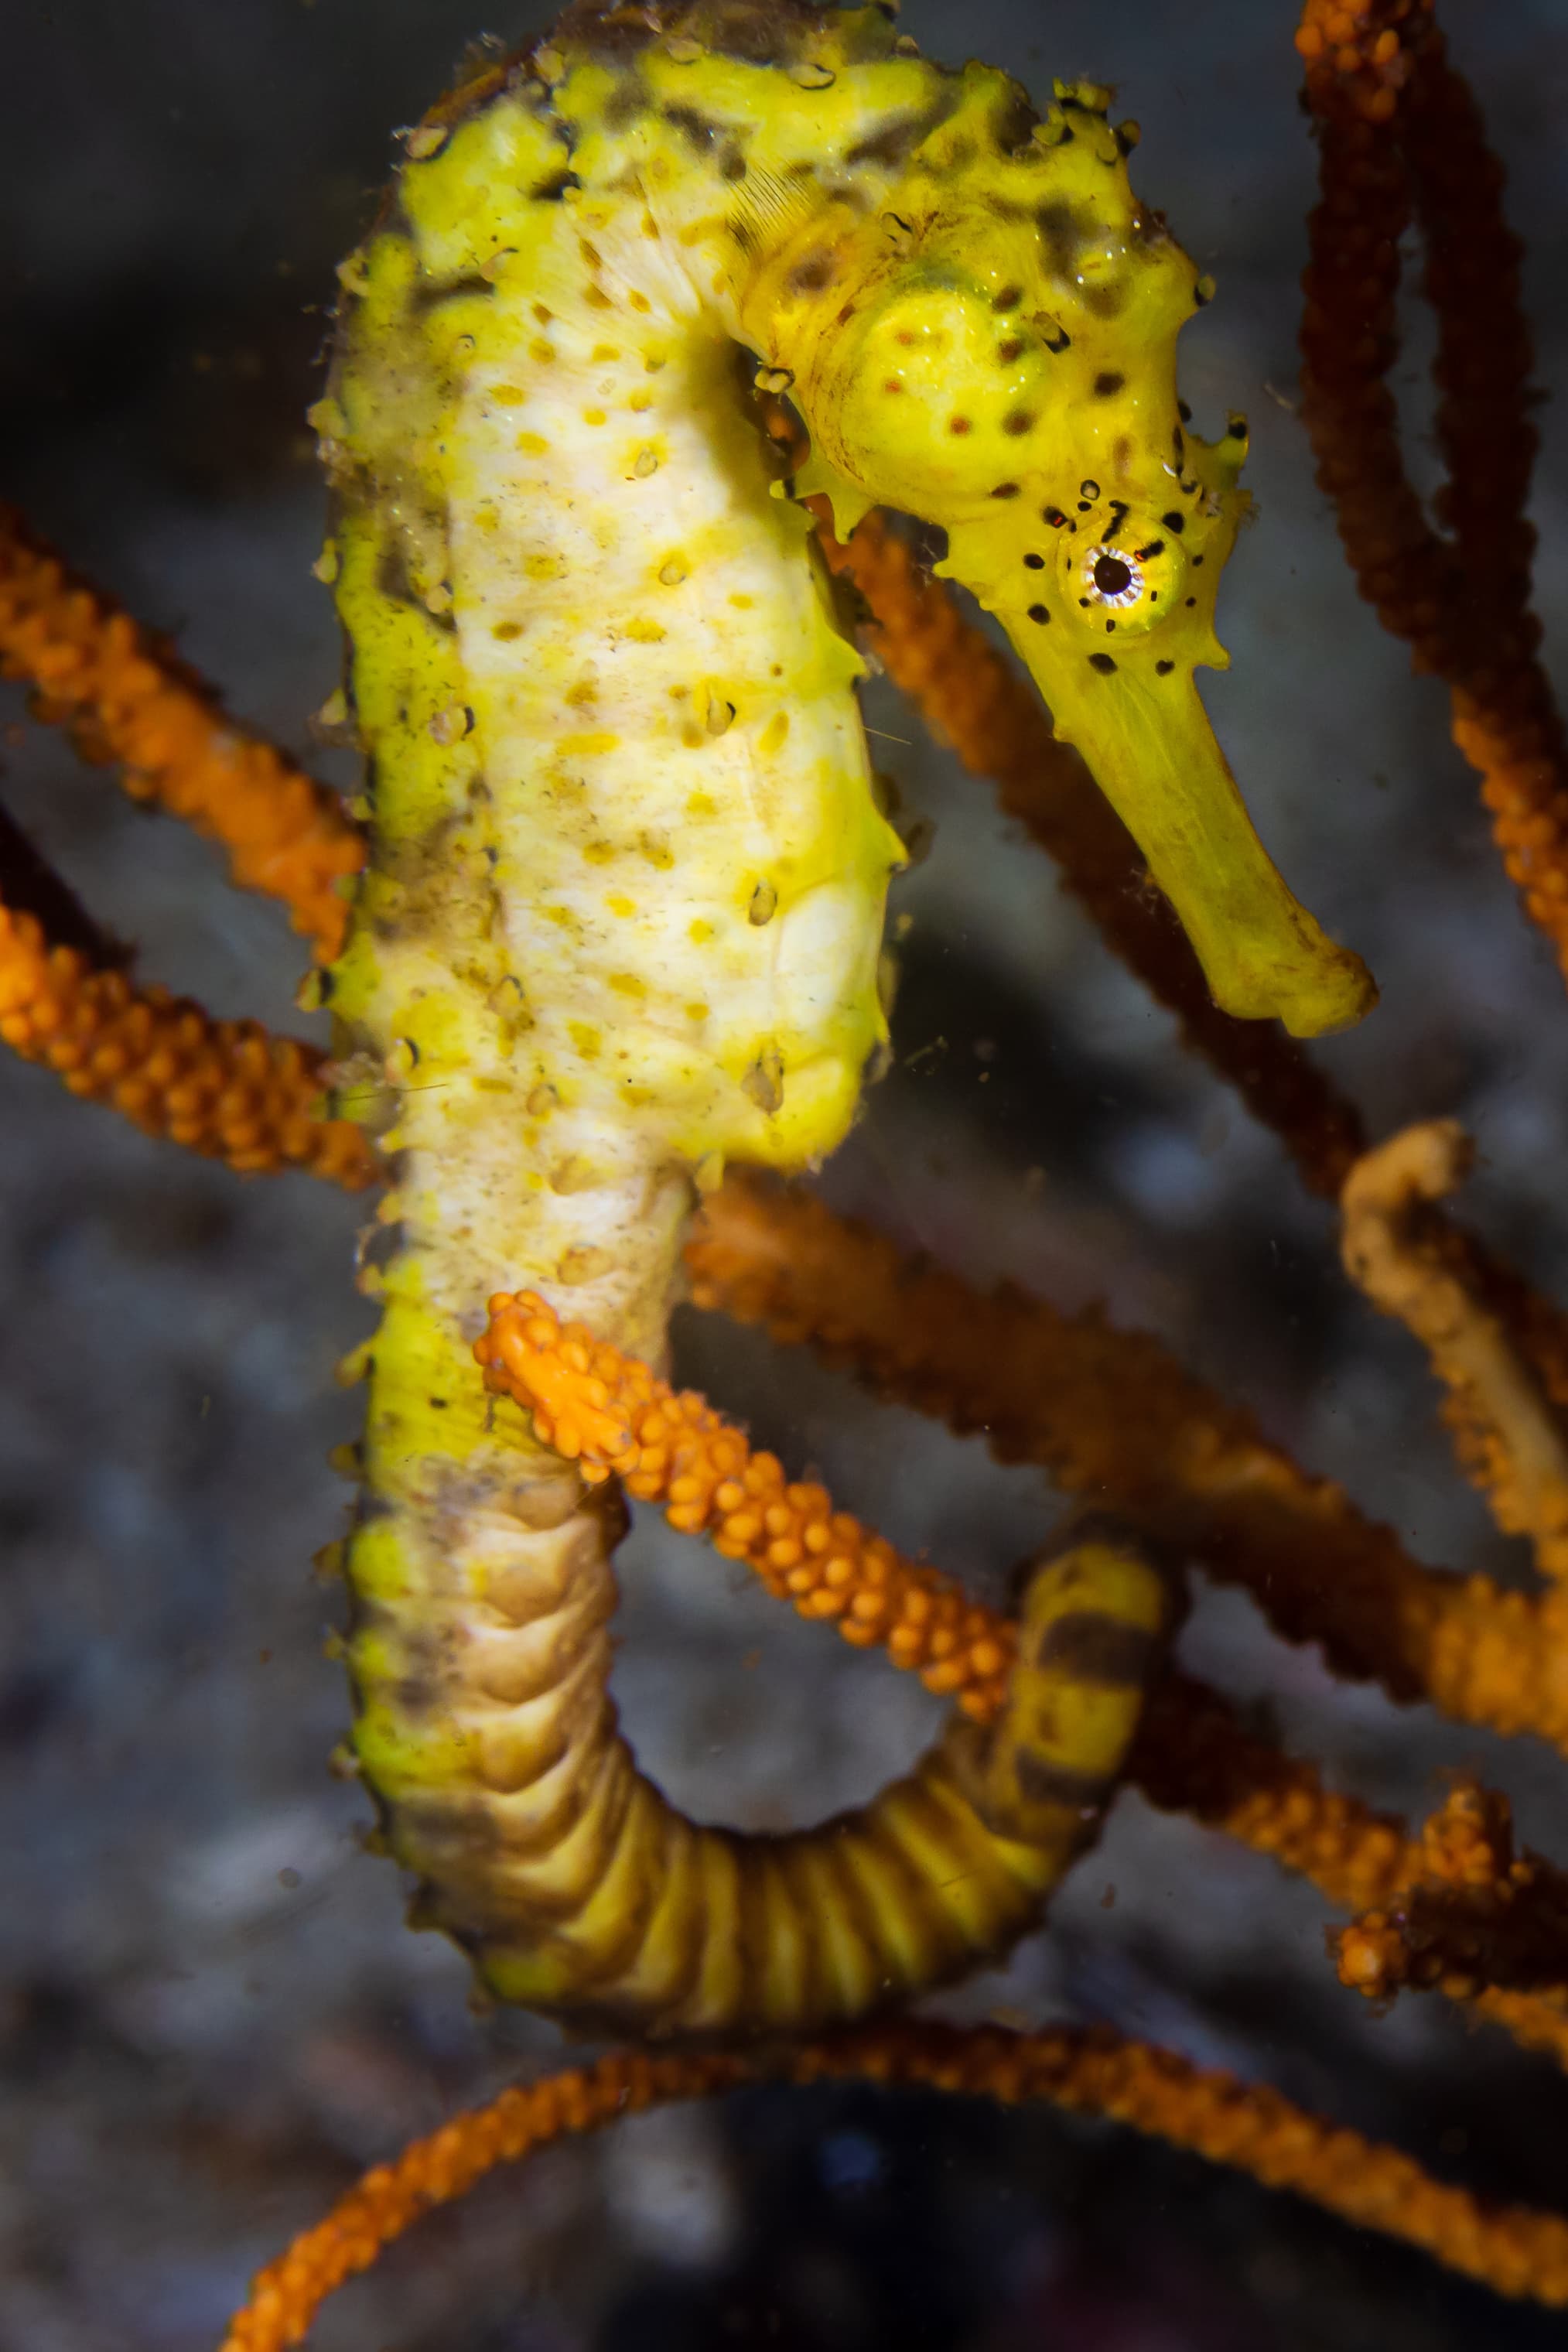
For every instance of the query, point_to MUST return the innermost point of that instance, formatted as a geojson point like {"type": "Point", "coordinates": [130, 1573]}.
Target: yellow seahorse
{"type": "Point", "coordinates": [621, 915]}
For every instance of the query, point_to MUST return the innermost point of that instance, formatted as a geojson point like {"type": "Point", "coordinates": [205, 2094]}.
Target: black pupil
{"type": "Point", "coordinates": [1111, 577]}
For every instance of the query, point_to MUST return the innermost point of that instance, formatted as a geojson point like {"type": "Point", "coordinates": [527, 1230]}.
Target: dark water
{"type": "Point", "coordinates": [211, 2014]}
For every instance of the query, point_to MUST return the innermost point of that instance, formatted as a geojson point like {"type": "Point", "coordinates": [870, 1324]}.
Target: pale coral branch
{"type": "Point", "coordinates": [1507, 1430]}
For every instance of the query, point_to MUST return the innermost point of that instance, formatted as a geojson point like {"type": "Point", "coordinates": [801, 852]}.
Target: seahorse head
{"type": "Point", "coordinates": [992, 346]}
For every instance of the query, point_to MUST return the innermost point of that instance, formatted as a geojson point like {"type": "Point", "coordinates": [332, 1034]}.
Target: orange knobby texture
{"type": "Point", "coordinates": [1470, 1912]}
{"type": "Point", "coordinates": [126, 701]}
{"type": "Point", "coordinates": [972, 698]}
{"type": "Point", "coordinates": [225, 1088]}
{"type": "Point", "coordinates": [1362, 49]}
{"type": "Point", "coordinates": [607, 1413]}
{"type": "Point", "coordinates": [1115, 1417]}
{"type": "Point", "coordinates": [1400, 133]}
{"type": "Point", "coordinates": [1513, 2249]}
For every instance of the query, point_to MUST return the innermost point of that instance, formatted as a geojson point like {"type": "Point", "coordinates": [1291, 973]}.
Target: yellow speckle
{"type": "Point", "coordinates": [588, 747]}
{"type": "Point", "coordinates": [603, 352]}
{"type": "Point", "coordinates": [657, 852]}
{"type": "Point", "coordinates": [639, 301]}
{"type": "Point", "coordinates": [626, 983]}
{"type": "Point", "coordinates": [741, 603]}
{"type": "Point", "coordinates": [649, 225]}
{"type": "Point", "coordinates": [672, 572]}
{"type": "Point", "coordinates": [504, 631]}
{"type": "Point", "coordinates": [598, 300]}
{"type": "Point", "coordinates": [542, 1100]}
{"type": "Point", "coordinates": [532, 444]}
{"type": "Point", "coordinates": [584, 1263]}
{"type": "Point", "coordinates": [640, 403]}
{"type": "Point", "coordinates": [643, 633]}
{"type": "Point", "coordinates": [692, 736]}
{"type": "Point", "coordinates": [594, 417]}
{"type": "Point", "coordinates": [587, 1040]}
{"type": "Point", "coordinates": [562, 915]}
{"type": "Point", "coordinates": [697, 1012]}
{"type": "Point", "coordinates": [508, 395]}
{"type": "Point", "coordinates": [545, 567]}
{"type": "Point", "coordinates": [600, 853]}
{"type": "Point", "coordinates": [542, 352]}
{"type": "Point", "coordinates": [619, 903]}
{"type": "Point", "coordinates": [700, 932]}
{"type": "Point", "coordinates": [772, 736]}
{"type": "Point", "coordinates": [701, 804]}
{"type": "Point", "coordinates": [645, 464]}
{"type": "Point", "coordinates": [542, 314]}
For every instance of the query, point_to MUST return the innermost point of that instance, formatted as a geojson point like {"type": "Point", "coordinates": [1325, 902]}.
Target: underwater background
{"type": "Point", "coordinates": [211, 2013]}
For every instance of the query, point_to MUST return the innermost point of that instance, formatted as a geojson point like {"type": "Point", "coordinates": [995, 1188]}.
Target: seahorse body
{"type": "Point", "coordinates": [621, 914]}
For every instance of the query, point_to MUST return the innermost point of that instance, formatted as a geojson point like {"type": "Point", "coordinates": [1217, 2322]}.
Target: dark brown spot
{"type": "Point", "coordinates": [1006, 490]}
{"type": "Point", "coordinates": [1059, 227]}
{"type": "Point", "coordinates": [1053, 515]}
{"type": "Point", "coordinates": [700, 132]}
{"type": "Point", "coordinates": [732, 164]}
{"type": "Point", "coordinates": [810, 275]}
{"type": "Point", "coordinates": [897, 137]}
{"type": "Point", "coordinates": [1017, 421]}
{"type": "Point", "coordinates": [1035, 562]}
{"type": "Point", "coordinates": [960, 426]}
{"type": "Point", "coordinates": [1008, 299]}
{"type": "Point", "coordinates": [1154, 547]}
{"type": "Point", "coordinates": [1092, 1646]}
{"type": "Point", "coordinates": [1040, 613]}
{"type": "Point", "coordinates": [1056, 1784]}
{"type": "Point", "coordinates": [552, 189]}
{"type": "Point", "coordinates": [1164, 668]}
{"type": "Point", "coordinates": [1102, 663]}
{"type": "Point", "coordinates": [1108, 381]}
{"type": "Point", "coordinates": [1177, 522]}
{"type": "Point", "coordinates": [1008, 352]}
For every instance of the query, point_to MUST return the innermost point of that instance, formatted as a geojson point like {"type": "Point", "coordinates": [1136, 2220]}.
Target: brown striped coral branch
{"type": "Point", "coordinates": [971, 697]}
{"type": "Point", "coordinates": [1247, 2127]}
{"type": "Point", "coordinates": [1115, 1418]}
{"type": "Point", "coordinates": [225, 1088]}
{"type": "Point", "coordinates": [1506, 1430]}
{"type": "Point", "coordinates": [126, 701]}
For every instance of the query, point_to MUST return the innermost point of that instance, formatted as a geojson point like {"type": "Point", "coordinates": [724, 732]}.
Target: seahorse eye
{"type": "Point", "coordinates": [1125, 578]}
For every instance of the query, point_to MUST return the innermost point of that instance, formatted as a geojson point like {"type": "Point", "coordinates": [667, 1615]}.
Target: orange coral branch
{"type": "Point", "coordinates": [1469, 1912]}
{"type": "Point", "coordinates": [225, 1088]}
{"type": "Point", "coordinates": [609, 1413]}
{"type": "Point", "coordinates": [1112, 1416]}
{"type": "Point", "coordinates": [125, 700]}
{"type": "Point", "coordinates": [971, 697]}
{"type": "Point", "coordinates": [1506, 1432]}
{"type": "Point", "coordinates": [1248, 2127]}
